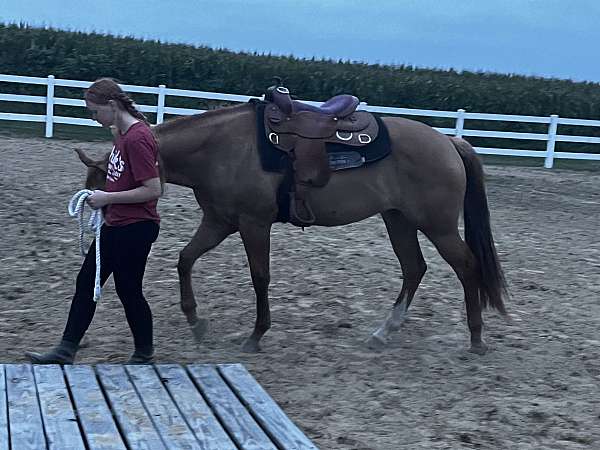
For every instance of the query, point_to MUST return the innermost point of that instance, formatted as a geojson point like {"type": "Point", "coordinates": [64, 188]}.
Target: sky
{"type": "Point", "coordinates": [545, 38]}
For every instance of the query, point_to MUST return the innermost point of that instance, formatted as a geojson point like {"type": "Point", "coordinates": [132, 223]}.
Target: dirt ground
{"type": "Point", "coordinates": [537, 388]}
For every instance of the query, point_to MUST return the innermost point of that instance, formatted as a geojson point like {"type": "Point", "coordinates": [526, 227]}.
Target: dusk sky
{"type": "Point", "coordinates": [549, 38]}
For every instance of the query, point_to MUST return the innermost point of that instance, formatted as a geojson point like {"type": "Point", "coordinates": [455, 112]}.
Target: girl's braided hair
{"type": "Point", "coordinates": [105, 89]}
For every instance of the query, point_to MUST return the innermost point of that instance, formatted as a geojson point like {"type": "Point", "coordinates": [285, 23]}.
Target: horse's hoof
{"type": "Point", "coordinates": [199, 329]}
{"type": "Point", "coordinates": [479, 349]}
{"type": "Point", "coordinates": [250, 346]}
{"type": "Point", "coordinates": [376, 343]}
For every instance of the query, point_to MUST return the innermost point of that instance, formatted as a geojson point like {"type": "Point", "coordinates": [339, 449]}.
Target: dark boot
{"type": "Point", "coordinates": [142, 355]}
{"type": "Point", "coordinates": [63, 353]}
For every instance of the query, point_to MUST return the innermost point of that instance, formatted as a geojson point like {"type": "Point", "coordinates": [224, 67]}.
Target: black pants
{"type": "Point", "coordinates": [123, 253]}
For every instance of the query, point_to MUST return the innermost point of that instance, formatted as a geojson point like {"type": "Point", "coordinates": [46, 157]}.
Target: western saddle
{"type": "Point", "coordinates": [302, 130]}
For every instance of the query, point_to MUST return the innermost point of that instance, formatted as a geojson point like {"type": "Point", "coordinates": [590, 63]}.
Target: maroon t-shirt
{"type": "Point", "coordinates": [134, 159]}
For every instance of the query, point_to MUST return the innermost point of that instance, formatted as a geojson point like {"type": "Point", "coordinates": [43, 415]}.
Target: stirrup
{"type": "Point", "coordinates": [294, 212]}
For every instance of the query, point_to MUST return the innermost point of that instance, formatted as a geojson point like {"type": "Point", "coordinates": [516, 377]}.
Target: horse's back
{"type": "Point", "coordinates": [420, 147]}
{"type": "Point", "coordinates": [423, 176]}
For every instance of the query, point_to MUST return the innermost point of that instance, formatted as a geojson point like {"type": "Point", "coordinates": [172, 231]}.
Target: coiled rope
{"type": "Point", "coordinates": [76, 206]}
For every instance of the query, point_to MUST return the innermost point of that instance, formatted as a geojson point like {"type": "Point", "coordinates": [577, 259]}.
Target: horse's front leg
{"type": "Point", "coordinates": [257, 241]}
{"type": "Point", "coordinates": [211, 232]}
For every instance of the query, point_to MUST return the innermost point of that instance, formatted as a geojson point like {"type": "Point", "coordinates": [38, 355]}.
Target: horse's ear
{"type": "Point", "coordinates": [84, 158]}
{"type": "Point", "coordinates": [101, 165]}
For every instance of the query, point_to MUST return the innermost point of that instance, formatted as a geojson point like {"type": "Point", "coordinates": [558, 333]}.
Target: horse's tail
{"type": "Point", "coordinates": [478, 232]}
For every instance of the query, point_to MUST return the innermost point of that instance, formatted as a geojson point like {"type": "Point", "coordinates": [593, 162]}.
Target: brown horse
{"type": "Point", "coordinates": [423, 185]}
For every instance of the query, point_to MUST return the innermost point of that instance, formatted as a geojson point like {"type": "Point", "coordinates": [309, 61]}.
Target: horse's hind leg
{"type": "Point", "coordinates": [210, 233]}
{"type": "Point", "coordinates": [257, 240]}
{"type": "Point", "coordinates": [458, 254]}
{"type": "Point", "coordinates": [403, 236]}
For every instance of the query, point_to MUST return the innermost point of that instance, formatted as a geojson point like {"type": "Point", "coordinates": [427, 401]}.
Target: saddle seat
{"type": "Point", "coordinates": [338, 106]}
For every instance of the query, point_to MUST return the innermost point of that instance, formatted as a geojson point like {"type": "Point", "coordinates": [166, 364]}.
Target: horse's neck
{"type": "Point", "coordinates": [190, 147]}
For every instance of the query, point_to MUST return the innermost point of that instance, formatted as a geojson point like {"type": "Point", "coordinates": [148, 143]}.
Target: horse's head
{"type": "Point", "coordinates": [96, 170]}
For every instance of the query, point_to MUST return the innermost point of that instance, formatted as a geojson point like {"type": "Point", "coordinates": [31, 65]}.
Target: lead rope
{"type": "Point", "coordinates": [76, 206]}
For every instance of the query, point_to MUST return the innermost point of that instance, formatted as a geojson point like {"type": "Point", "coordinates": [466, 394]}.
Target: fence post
{"type": "Point", "coordinates": [50, 106]}
{"type": "Point", "coordinates": [460, 123]}
{"type": "Point", "coordinates": [160, 111]}
{"type": "Point", "coordinates": [549, 161]}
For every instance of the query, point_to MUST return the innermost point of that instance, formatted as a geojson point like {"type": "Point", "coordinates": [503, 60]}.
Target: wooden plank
{"type": "Point", "coordinates": [208, 95]}
{"type": "Point", "coordinates": [23, 117]}
{"type": "Point", "coordinates": [75, 121]}
{"type": "Point", "coordinates": [407, 111]}
{"type": "Point", "coordinates": [506, 117]}
{"type": "Point", "coordinates": [243, 429]}
{"type": "Point", "coordinates": [3, 411]}
{"type": "Point", "coordinates": [167, 419]}
{"type": "Point", "coordinates": [264, 409]}
{"type": "Point", "coordinates": [582, 122]}
{"type": "Point", "coordinates": [69, 101]}
{"type": "Point", "coordinates": [183, 111]}
{"type": "Point", "coordinates": [505, 134]}
{"type": "Point", "coordinates": [580, 139]}
{"type": "Point", "coordinates": [94, 414]}
{"type": "Point", "coordinates": [22, 98]}
{"type": "Point", "coordinates": [570, 155]}
{"type": "Point", "coordinates": [133, 419]}
{"type": "Point", "coordinates": [22, 79]}
{"type": "Point", "coordinates": [198, 415]}
{"type": "Point", "coordinates": [25, 420]}
{"type": "Point", "coordinates": [60, 423]}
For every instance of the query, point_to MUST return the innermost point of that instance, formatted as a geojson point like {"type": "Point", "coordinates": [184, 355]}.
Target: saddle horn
{"type": "Point", "coordinates": [269, 94]}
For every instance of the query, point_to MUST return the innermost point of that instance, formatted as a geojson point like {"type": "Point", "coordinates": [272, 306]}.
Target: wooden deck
{"type": "Point", "coordinates": [165, 406]}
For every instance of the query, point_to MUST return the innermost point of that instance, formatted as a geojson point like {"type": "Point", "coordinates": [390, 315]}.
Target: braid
{"type": "Point", "coordinates": [105, 89]}
{"type": "Point", "coordinates": [129, 106]}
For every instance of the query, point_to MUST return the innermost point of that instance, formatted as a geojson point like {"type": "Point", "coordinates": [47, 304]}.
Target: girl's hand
{"type": "Point", "coordinates": [98, 199]}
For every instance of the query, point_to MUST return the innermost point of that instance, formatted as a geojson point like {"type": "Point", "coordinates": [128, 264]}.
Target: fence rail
{"type": "Point", "coordinates": [461, 116]}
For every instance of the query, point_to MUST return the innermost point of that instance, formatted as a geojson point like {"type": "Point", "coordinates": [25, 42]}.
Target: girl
{"type": "Point", "coordinates": [133, 187]}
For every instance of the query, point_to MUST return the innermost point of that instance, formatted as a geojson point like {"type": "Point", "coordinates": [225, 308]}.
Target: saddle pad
{"type": "Point", "coordinates": [275, 160]}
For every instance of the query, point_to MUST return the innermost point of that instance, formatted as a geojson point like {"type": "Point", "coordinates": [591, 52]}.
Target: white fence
{"type": "Point", "coordinates": [460, 116]}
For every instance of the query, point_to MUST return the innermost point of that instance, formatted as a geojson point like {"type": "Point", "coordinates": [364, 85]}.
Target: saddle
{"type": "Point", "coordinates": [301, 130]}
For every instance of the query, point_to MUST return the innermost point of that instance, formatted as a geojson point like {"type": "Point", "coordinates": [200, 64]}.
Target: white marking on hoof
{"type": "Point", "coordinates": [398, 316]}
{"type": "Point", "coordinates": [392, 323]}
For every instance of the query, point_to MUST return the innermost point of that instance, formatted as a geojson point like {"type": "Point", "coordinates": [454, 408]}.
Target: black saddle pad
{"type": "Point", "coordinates": [340, 156]}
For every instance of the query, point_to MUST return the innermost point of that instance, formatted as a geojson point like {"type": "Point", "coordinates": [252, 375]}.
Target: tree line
{"type": "Point", "coordinates": [26, 50]}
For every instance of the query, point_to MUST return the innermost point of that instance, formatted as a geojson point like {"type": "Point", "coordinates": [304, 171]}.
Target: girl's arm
{"type": "Point", "coordinates": [150, 190]}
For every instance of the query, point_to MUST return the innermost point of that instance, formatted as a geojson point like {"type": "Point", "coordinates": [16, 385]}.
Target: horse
{"type": "Point", "coordinates": [423, 185]}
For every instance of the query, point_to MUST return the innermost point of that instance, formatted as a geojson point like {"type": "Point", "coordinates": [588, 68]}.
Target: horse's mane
{"type": "Point", "coordinates": [205, 118]}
